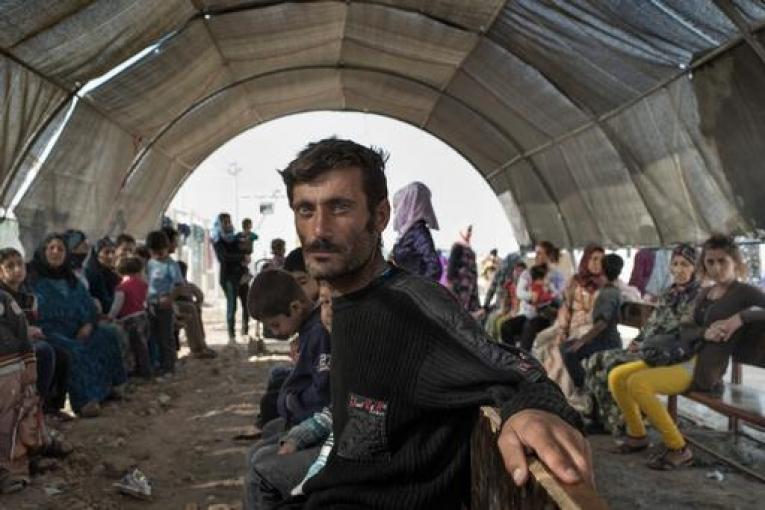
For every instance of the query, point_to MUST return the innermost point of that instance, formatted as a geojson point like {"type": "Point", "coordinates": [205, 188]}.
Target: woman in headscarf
{"type": "Point", "coordinates": [574, 320]}
{"type": "Point", "coordinates": [462, 272]}
{"type": "Point", "coordinates": [68, 318]}
{"type": "Point", "coordinates": [414, 250]}
{"type": "Point", "coordinates": [231, 259]}
{"type": "Point", "coordinates": [77, 248]}
{"type": "Point", "coordinates": [674, 304]}
{"type": "Point", "coordinates": [102, 284]}
{"type": "Point", "coordinates": [673, 364]}
{"type": "Point", "coordinates": [99, 271]}
{"type": "Point", "coordinates": [21, 423]}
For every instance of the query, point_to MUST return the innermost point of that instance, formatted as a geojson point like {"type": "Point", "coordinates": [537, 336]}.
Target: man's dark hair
{"type": "Point", "coordinates": [538, 272]}
{"type": "Point", "coordinates": [246, 221]}
{"type": "Point", "coordinates": [612, 266]}
{"type": "Point", "coordinates": [493, 252]}
{"type": "Point", "coordinates": [7, 253]}
{"type": "Point", "coordinates": [124, 238]}
{"type": "Point", "coordinates": [129, 265]}
{"type": "Point", "coordinates": [294, 261]}
{"type": "Point", "coordinates": [331, 154]}
{"type": "Point", "coordinates": [271, 293]}
{"type": "Point", "coordinates": [157, 240]}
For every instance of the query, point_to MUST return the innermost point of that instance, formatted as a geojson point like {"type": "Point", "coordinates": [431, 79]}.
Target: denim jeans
{"type": "Point", "coordinates": [573, 359]}
{"type": "Point", "coordinates": [270, 477]}
{"type": "Point", "coordinates": [231, 289]}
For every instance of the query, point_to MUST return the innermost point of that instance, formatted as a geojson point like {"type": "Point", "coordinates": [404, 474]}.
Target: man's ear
{"type": "Point", "coordinates": [296, 307]}
{"type": "Point", "coordinates": [382, 216]}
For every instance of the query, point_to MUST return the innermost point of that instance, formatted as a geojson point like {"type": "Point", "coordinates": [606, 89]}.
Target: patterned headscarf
{"type": "Point", "coordinates": [678, 294]}
{"type": "Point", "coordinates": [412, 204]}
{"type": "Point", "coordinates": [686, 251]}
{"type": "Point", "coordinates": [584, 277]}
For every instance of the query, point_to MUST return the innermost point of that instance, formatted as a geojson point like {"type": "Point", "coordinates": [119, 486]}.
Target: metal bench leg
{"type": "Point", "coordinates": [672, 407]}
{"type": "Point", "coordinates": [733, 427]}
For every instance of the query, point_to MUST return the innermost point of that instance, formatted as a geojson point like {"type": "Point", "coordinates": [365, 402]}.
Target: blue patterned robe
{"type": "Point", "coordinates": [96, 361]}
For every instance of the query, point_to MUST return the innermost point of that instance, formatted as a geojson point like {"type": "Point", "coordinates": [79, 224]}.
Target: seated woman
{"type": "Point", "coordinates": [667, 366]}
{"type": "Point", "coordinates": [674, 303]}
{"type": "Point", "coordinates": [99, 271]}
{"type": "Point", "coordinates": [68, 318]}
{"type": "Point", "coordinates": [574, 320]}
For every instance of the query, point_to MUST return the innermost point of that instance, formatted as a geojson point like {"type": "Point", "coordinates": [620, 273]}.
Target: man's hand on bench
{"type": "Point", "coordinates": [557, 444]}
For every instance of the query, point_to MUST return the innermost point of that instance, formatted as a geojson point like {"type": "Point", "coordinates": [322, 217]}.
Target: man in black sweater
{"type": "Point", "coordinates": [410, 368]}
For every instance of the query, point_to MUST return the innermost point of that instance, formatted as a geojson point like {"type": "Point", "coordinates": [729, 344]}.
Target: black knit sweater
{"type": "Point", "coordinates": [409, 370]}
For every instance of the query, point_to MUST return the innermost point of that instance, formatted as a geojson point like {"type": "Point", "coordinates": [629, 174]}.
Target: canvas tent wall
{"type": "Point", "coordinates": [590, 119]}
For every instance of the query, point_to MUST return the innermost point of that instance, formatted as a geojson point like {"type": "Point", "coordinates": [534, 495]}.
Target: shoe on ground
{"type": "Point", "coordinates": [118, 392]}
{"type": "Point", "coordinates": [90, 410]}
{"type": "Point", "coordinates": [134, 483]}
{"type": "Point", "coordinates": [205, 354]}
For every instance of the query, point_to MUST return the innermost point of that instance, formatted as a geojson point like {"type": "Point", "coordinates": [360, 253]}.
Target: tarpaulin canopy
{"type": "Point", "coordinates": [622, 122]}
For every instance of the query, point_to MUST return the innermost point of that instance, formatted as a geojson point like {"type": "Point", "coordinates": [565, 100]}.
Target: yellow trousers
{"type": "Point", "coordinates": [634, 387]}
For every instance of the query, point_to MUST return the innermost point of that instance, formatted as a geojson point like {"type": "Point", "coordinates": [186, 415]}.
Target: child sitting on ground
{"type": "Point", "coordinates": [294, 264]}
{"type": "Point", "coordinates": [278, 301]}
{"type": "Point", "coordinates": [129, 308]}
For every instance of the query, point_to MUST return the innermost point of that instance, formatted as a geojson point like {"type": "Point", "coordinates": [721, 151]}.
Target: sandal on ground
{"type": "Point", "coordinates": [665, 462]}
{"type": "Point", "coordinates": [9, 484]}
{"type": "Point", "coordinates": [57, 448]}
{"type": "Point", "coordinates": [90, 410]}
{"type": "Point", "coordinates": [59, 416]}
{"type": "Point", "coordinates": [626, 447]}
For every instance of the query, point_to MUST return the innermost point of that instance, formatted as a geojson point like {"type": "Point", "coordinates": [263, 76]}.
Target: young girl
{"type": "Point", "coordinates": [129, 308]}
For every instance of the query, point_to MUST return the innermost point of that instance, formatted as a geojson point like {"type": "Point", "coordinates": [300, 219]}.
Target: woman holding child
{"type": "Point", "coordinates": [231, 259]}
{"type": "Point", "coordinates": [68, 318]}
{"type": "Point", "coordinates": [533, 313]}
{"type": "Point", "coordinates": [671, 364]}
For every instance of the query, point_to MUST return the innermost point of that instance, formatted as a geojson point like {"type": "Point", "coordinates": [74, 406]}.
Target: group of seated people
{"type": "Point", "coordinates": [570, 326]}
{"type": "Point", "coordinates": [685, 344]}
{"type": "Point", "coordinates": [78, 322]}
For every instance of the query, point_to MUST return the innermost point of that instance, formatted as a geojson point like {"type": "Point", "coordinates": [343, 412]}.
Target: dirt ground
{"type": "Point", "coordinates": [180, 432]}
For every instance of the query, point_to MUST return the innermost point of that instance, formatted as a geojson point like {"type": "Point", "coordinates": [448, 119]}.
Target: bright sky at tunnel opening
{"type": "Point", "coordinates": [461, 196]}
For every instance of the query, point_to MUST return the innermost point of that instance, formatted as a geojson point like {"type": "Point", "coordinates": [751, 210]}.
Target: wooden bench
{"type": "Point", "coordinates": [493, 489]}
{"type": "Point", "coordinates": [737, 401]}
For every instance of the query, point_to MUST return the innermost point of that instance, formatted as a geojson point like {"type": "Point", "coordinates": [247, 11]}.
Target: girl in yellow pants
{"type": "Point", "coordinates": [634, 387]}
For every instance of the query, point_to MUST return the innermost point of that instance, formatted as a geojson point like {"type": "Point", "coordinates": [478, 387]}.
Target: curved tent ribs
{"type": "Point", "coordinates": [504, 83]}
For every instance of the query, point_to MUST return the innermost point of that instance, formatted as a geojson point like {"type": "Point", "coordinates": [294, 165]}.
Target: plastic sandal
{"type": "Point", "coordinates": [662, 463]}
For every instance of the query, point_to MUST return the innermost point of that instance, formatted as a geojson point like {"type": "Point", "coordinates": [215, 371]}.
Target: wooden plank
{"type": "Point", "coordinates": [739, 401]}
{"type": "Point", "coordinates": [493, 489]}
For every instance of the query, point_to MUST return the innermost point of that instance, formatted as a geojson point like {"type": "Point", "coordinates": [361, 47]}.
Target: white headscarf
{"type": "Point", "coordinates": [412, 204]}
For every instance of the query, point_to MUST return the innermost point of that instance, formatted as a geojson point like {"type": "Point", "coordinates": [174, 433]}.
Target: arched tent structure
{"type": "Point", "coordinates": [590, 119]}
